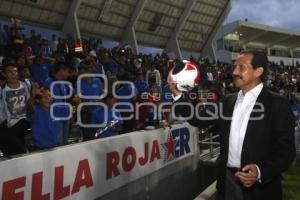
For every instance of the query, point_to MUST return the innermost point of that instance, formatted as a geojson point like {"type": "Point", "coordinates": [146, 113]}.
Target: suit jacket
{"type": "Point", "coordinates": [268, 143]}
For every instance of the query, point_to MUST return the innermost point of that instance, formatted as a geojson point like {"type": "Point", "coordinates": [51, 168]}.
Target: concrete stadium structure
{"type": "Point", "coordinates": [282, 46]}
{"type": "Point", "coordinates": [188, 25]}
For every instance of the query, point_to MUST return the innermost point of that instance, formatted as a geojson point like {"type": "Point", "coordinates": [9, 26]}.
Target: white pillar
{"type": "Point", "coordinates": [173, 44]}
{"type": "Point", "coordinates": [244, 47]}
{"type": "Point", "coordinates": [129, 34]}
{"type": "Point", "coordinates": [209, 48]}
{"type": "Point", "coordinates": [71, 23]}
{"type": "Point", "coordinates": [292, 53]}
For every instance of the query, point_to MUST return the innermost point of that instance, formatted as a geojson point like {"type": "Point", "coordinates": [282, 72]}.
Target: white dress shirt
{"type": "Point", "coordinates": [241, 114]}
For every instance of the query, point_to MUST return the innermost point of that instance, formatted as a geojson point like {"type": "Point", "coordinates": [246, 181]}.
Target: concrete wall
{"type": "Point", "coordinates": [183, 180]}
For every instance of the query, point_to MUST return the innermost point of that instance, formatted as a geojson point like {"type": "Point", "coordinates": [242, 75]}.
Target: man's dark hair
{"type": "Point", "coordinates": [260, 59]}
{"type": "Point", "coordinates": [108, 97]}
{"type": "Point", "coordinates": [59, 66]}
{"type": "Point", "coordinates": [7, 62]}
{"type": "Point", "coordinates": [83, 67]}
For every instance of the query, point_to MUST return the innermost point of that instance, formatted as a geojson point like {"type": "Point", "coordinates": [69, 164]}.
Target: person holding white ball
{"type": "Point", "coordinates": [256, 130]}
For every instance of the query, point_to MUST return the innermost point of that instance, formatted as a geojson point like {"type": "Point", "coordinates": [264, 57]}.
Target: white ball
{"type": "Point", "coordinates": [186, 75]}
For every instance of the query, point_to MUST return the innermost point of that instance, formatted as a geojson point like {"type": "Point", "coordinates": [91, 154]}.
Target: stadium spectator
{"type": "Point", "coordinates": [15, 97]}
{"type": "Point", "coordinates": [61, 46]}
{"type": "Point", "coordinates": [107, 62]}
{"type": "Point", "coordinates": [2, 120]}
{"type": "Point", "coordinates": [45, 50]}
{"type": "Point", "coordinates": [78, 48]}
{"type": "Point", "coordinates": [27, 50]}
{"type": "Point", "coordinates": [24, 73]}
{"type": "Point", "coordinates": [90, 86]}
{"type": "Point", "coordinates": [209, 76]}
{"type": "Point", "coordinates": [123, 63]}
{"type": "Point", "coordinates": [53, 43]}
{"type": "Point", "coordinates": [45, 129]}
{"type": "Point", "coordinates": [3, 40]}
{"type": "Point", "coordinates": [21, 61]}
{"type": "Point", "coordinates": [137, 62]}
{"type": "Point", "coordinates": [127, 96]}
{"type": "Point", "coordinates": [93, 63]}
{"type": "Point", "coordinates": [6, 38]}
{"type": "Point", "coordinates": [17, 43]}
{"type": "Point", "coordinates": [111, 79]}
{"type": "Point", "coordinates": [123, 74]}
{"type": "Point", "coordinates": [153, 76]}
{"type": "Point", "coordinates": [33, 36]}
{"type": "Point", "coordinates": [110, 119]}
{"type": "Point", "coordinates": [62, 91]}
{"type": "Point", "coordinates": [150, 115]}
{"type": "Point", "coordinates": [141, 85]}
{"type": "Point", "coordinates": [40, 70]}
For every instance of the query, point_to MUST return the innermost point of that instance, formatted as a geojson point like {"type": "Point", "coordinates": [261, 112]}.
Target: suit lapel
{"type": "Point", "coordinates": [254, 123]}
{"type": "Point", "coordinates": [228, 114]}
{"type": "Point", "coordinates": [231, 103]}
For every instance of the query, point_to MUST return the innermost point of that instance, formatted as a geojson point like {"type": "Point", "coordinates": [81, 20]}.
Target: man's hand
{"type": "Point", "coordinates": [173, 86]}
{"type": "Point", "coordinates": [76, 100]}
{"type": "Point", "coordinates": [248, 175]}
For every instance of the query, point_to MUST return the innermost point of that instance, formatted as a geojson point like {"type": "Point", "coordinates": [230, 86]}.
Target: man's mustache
{"type": "Point", "coordinates": [237, 77]}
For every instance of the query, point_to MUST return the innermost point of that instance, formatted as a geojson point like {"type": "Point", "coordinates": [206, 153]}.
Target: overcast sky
{"type": "Point", "coordinates": [278, 13]}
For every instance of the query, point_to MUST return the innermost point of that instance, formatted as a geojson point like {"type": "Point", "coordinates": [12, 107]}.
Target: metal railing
{"type": "Point", "coordinates": [209, 146]}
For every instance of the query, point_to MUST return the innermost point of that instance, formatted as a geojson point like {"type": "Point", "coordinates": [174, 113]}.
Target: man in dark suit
{"type": "Point", "coordinates": [256, 130]}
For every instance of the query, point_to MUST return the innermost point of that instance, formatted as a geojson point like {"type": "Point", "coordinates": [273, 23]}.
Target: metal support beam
{"type": "Point", "coordinates": [105, 10]}
{"type": "Point", "coordinates": [210, 4]}
{"type": "Point", "coordinates": [275, 42]}
{"type": "Point", "coordinates": [291, 53]}
{"type": "Point", "coordinates": [172, 44]}
{"type": "Point", "coordinates": [129, 34]}
{"type": "Point", "coordinates": [209, 47]}
{"type": "Point", "coordinates": [244, 47]}
{"type": "Point", "coordinates": [269, 51]}
{"type": "Point", "coordinates": [71, 23]}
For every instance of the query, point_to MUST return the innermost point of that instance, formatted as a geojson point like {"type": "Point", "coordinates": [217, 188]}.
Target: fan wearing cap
{"type": "Point", "coordinates": [104, 117]}
{"type": "Point", "coordinates": [45, 129]}
{"type": "Point", "coordinates": [39, 70]}
{"type": "Point", "coordinates": [93, 63]}
{"type": "Point", "coordinates": [90, 86]}
{"type": "Point", "coordinates": [108, 62]}
{"type": "Point", "coordinates": [60, 72]}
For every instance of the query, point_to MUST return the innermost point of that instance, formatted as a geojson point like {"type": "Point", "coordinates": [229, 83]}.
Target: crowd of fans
{"type": "Point", "coordinates": [48, 87]}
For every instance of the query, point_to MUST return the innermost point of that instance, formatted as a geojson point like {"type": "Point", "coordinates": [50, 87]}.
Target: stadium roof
{"type": "Point", "coordinates": [247, 32]}
{"type": "Point", "coordinates": [108, 19]}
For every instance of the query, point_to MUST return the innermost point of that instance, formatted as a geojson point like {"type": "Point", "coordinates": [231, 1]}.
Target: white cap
{"type": "Point", "coordinates": [93, 53]}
